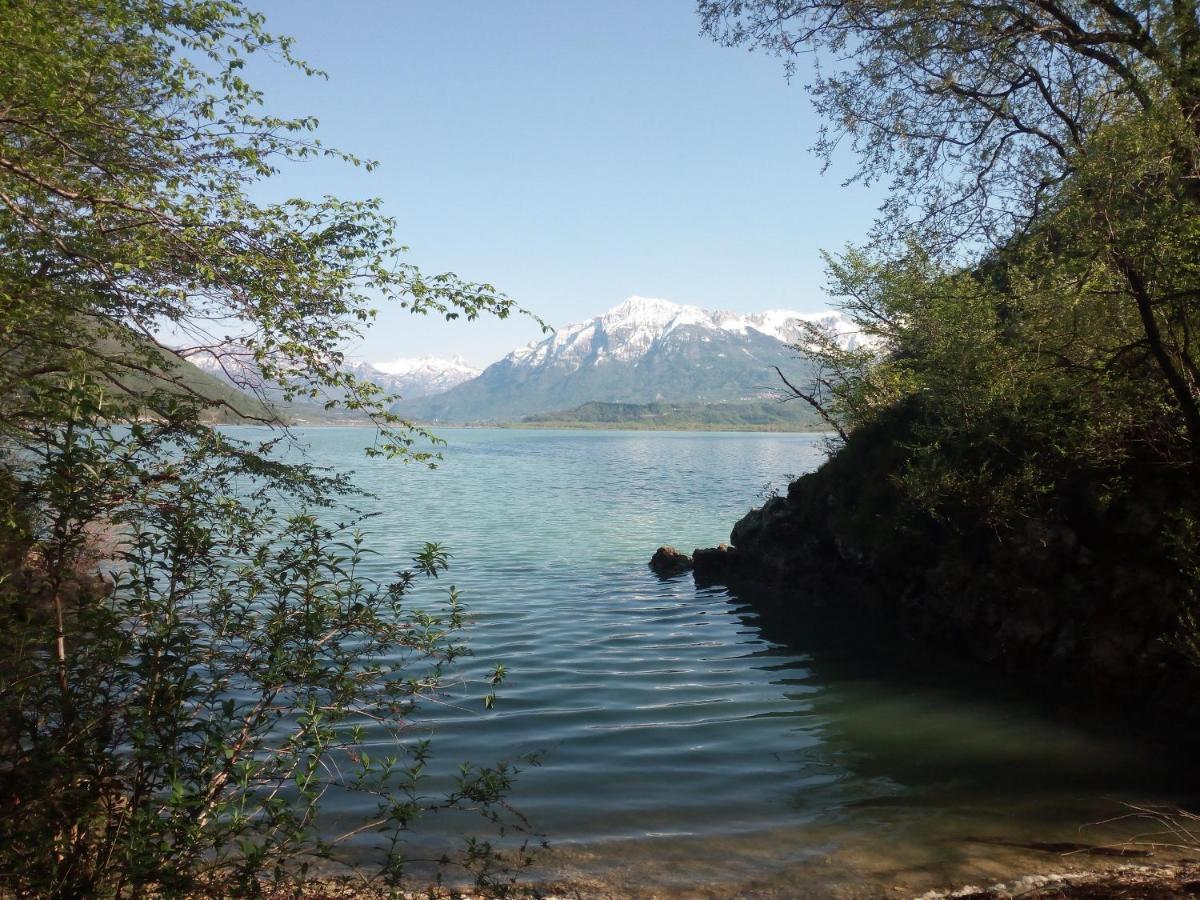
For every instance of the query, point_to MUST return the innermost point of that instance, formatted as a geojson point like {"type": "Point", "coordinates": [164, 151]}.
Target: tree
{"type": "Point", "coordinates": [989, 114]}
{"type": "Point", "coordinates": [128, 140]}
{"type": "Point", "coordinates": [190, 657]}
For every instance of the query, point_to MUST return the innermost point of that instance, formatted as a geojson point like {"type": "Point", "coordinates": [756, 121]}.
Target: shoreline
{"type": "Point", "coordinates": [1149, 881]}
{"type": "Point", "coordinates": [559, 426]}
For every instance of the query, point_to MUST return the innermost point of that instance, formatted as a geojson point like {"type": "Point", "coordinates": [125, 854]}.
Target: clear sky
{"type": "Point", "coordinates": [570, 152]}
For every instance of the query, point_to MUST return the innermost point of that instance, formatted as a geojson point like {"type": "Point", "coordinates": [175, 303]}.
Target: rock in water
{"type": "Point", "coordinates": [714, 563]}
{"type": "Point", "coordinates": [668, 561]}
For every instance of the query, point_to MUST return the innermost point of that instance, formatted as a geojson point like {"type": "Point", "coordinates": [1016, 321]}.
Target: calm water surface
{"type": "Point", "coordinates": [689, 745]}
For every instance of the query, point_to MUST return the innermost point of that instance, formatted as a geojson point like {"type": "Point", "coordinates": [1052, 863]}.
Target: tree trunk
{"type": "Point", "coordinates": [1186, 393]}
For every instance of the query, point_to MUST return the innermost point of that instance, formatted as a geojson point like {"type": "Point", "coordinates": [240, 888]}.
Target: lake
{"type": "Point", "coordinates": [689, 744]}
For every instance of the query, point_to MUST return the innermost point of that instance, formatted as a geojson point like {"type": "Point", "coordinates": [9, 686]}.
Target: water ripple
{"type": "Point", "coordinates": [664, 710]}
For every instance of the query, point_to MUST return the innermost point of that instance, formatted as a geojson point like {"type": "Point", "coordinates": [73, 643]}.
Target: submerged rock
{"type": "Point", "coordinates": [667, 561]}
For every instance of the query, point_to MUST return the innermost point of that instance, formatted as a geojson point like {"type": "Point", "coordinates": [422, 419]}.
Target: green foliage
{"type": "Point", "coordinates": [218, 683]}
{"type": "Point", "coordinates": [128, 141]}
{"type": "Point", "coordinates": [1050, 147]}
{"type": "Point", "coordinates": [1012, 383]}
{"type": "Point", "coordinates": [1032, 286]}
{"type": "Point", "coordinates": [191, 659]}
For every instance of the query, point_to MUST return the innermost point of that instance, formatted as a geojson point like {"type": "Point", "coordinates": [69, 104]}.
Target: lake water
{"type": "Point", "coordinates": [690, 745]}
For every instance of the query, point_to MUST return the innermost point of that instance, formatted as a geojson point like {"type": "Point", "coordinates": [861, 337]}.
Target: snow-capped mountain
{"type": "Point", "coordinates": [410, 378]}
{"type": "Point", "coordinates": [419, 376]}
{"type": "Point", "coordinates": [641, 351]}
{"type": "Point", "coordinates": [636, 327]}
{"type": "Point", "coordinates": [232, 365]}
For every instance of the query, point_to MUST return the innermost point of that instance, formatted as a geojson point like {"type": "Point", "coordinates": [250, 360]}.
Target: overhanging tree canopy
{"type": "Point", "coordinates": [990, 115]}
{"type": "Point", "coordinates": [128, 142]}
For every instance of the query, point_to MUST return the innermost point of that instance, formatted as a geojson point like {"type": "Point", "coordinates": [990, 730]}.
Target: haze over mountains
{"type": "Point", "coordinates": [642, 351]}
{"type": "Point", "coordinates": [420, 376]}
{"type": "Point", "coordinates": [410, 378]}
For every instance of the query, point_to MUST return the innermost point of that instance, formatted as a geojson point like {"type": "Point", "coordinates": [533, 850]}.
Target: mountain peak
{"type": "Point", "coordinates": [406, 365]}
{"type": "Point", "coordinates": [419, 376]}
{"type": "Point", "coordinates": [645, 310]}
{"type": "Point", "coordinates": [644, 349]}
{"type": "Point", "coordinates": [631, 329]}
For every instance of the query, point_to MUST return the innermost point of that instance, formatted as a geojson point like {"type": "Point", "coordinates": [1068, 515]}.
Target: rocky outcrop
{"type": "Point", "coordinates": [668, 562]}
{"type": "Point", "coordinates": [1086, 603]}
{"type": "Point", "coordinates": [708, 561]}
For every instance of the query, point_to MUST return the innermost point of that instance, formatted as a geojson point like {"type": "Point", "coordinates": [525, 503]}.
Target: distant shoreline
{"type": "Point", "coordinates": [579, 426]}
{"type": "Point", "coordinates": [639, 426]}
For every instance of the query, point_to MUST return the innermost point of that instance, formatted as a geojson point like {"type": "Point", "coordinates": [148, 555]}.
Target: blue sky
{"type": "Point", "coordinates": [571, 153]}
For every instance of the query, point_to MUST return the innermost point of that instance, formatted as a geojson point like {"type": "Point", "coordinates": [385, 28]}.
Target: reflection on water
{"type": "Point", "coordinates": [689, 742]}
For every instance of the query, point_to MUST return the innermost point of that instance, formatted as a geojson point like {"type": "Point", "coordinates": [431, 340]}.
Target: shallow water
{"type": "Point", "coordinates": [690, 744]}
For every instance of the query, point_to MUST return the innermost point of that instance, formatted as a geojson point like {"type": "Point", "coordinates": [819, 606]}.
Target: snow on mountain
{"type": "Point", "coordinates": [232, 365]}
{"type": "Point", "coordinates": [419, 376]}
{"type": "Point", "coordinates": [409, 378]}
{"type": "Point", "coordinates": [643, 350]}
{"type": "Point", "coordinates": [785, 325]}
{"type": "Point", "coordinates": [434, 367]}
{"type": "Point", "coordinates": [629, 331]}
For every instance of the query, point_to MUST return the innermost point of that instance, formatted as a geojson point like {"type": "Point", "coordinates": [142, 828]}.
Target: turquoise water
{"type": "Point", "coordinates": [688, 743]}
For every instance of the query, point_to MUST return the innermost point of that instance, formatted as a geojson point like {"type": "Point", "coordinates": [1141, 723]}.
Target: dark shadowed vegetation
{"type": "Point", "coordinates": [1024, 432]}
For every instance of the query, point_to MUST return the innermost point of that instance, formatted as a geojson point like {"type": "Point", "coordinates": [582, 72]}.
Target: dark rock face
{"type": "Point", "coordinates": [712, 564]}
{"type": "Point", "coordinates": [1085, 605]}
{"type": "Point", "coordinates": [668, 562]}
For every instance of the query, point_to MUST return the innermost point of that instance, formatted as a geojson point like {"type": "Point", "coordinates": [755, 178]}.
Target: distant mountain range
{"type": "Point", "coordinates": [420, 376]}
{"type": "Point", "coordinates": [642, 351]}
{"type": "Point", "coordinates": [646, 362]}
{"type": "Point", "coordinates": [410, 378]}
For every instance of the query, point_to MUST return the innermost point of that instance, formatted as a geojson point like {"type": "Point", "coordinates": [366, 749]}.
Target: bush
{"type": "Point", "coordinates": [182, 721]}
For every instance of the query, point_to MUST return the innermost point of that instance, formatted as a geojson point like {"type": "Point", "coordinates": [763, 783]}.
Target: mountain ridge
{"type": "Point", "coordinates": [407, 377]}
{"type": "Point", "coordinates": [643, 350]}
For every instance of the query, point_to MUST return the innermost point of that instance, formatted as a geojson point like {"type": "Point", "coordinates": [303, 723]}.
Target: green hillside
{"type": "Point", "coordinates": [744, 416]}
{"type": "Point", "coordinates": [224, 403]}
